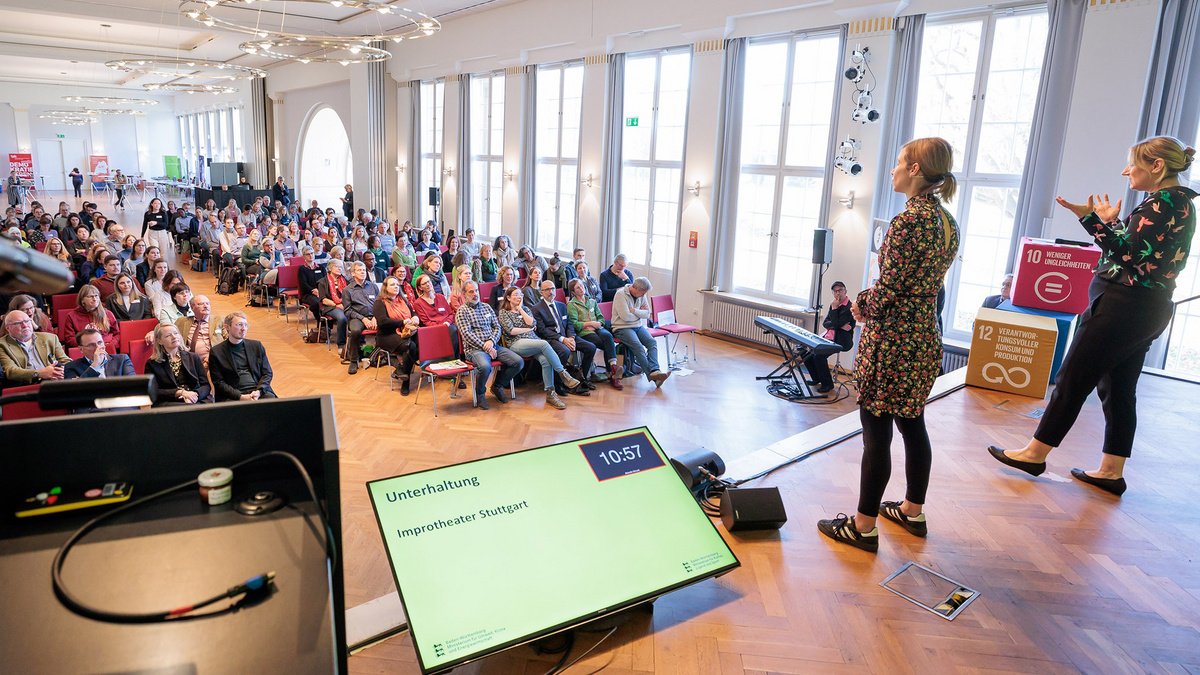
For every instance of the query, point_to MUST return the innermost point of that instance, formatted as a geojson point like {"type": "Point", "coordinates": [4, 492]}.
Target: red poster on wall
{"type": "Point", "coordinates": [22, 163]}
{"type": "Point", "coordinates": [99, 166]}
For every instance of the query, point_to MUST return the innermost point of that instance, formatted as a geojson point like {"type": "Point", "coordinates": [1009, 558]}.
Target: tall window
{"type": "Point", "coordinates": [656, 97]}
{"type": "Point", "coordinates": [326, 161]}
{"type": "Point", "coordinates": [239, 138]}
{"type": "Point", "coordinates": [786, 113]}
{"type": "Point", "coordinates": [487, 152]}
{"type": "Point", "coordinates": [433, 97]}
{"type": "Point", "coordinates": [1183, 350]}
{"type": "Point", "coordinates": [185, 147]}
{"type": "Point", "coordinates": [559, 112]}
{"type": "Point", "coordinates": [224, 127]}
{"type": "Point", "coordinates": [977, 89]}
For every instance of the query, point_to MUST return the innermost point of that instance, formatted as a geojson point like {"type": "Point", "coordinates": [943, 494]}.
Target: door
{"type": "Point", "coordinates": [75, 156]}
{"type": "Point", "coordinates": [50, 164]}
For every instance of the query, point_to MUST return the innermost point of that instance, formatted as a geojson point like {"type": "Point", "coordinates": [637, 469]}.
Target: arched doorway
{"type": "Point", "coordinates": [326, 162]}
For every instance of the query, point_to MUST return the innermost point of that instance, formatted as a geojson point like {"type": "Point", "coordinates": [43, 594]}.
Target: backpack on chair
{"type": "Point", "coordinates": [231, 281]}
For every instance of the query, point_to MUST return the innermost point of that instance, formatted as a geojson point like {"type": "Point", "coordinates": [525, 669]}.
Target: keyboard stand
{"type": "Point", "coordinates": [787, 380]}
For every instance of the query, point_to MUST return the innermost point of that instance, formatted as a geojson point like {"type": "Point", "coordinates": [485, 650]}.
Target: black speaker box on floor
{"type": "Point", "coordinates": [752, 509]}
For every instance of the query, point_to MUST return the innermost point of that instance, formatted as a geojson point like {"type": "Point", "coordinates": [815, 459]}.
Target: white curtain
{"type": "Point", "coordinates": [728, 165]}
{"type": "Point", "coordinates": [415, 198]}
{"type": "Point", "coordinates": [526, 178]}
{"type": "Point", "coordinates": [900, 111]}
{"type": "Point", "coordinates": [1048, 131]}
{"type": "Point", "coordinates": [463, 194]}
{"type": "Point", "coordinates": [610, 164]}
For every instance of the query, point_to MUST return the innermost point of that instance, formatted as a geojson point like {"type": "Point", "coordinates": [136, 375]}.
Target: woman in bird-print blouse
{"type": "Point", "coordinates": [901, 347]}
{"type": "Point", "coordinates": [1130, 307]}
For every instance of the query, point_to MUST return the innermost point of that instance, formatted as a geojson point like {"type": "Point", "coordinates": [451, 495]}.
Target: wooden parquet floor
{"type": "Point", "coordinates": [1072, 579]}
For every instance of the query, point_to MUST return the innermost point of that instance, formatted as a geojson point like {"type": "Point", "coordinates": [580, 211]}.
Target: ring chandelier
{"type": "Point", "coordinates": [198, 69]}
{"type": "Point", "coordinates": [412, 25]}
{"type": "Point", "coordinates": [86, 112]}
{"type": "Point", "coordinates": [192, 88]}
{"type": "Point", "coordinates": [111, 100]}
{"type": "Point", "coordinates": [320, 51]}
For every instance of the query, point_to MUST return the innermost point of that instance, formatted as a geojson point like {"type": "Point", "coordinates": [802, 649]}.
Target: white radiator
{"type": "Point", "coordinates": [738, 320]}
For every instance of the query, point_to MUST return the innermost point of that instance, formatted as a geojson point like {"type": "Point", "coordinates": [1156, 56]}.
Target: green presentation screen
{"type": "Point", "coordinates": [500, 551]}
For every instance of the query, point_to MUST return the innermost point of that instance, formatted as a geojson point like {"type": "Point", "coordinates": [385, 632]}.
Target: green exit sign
{"type": "Point", "coordinates": [631, 121]}
{"type": "Point", "coordinates": [61, 135]}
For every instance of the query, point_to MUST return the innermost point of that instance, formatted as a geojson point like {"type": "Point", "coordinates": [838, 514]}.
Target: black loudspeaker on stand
{"type": "Point", "coordinates": [752, 509]}
{"type": "Point", "coordinates": [822, 256]}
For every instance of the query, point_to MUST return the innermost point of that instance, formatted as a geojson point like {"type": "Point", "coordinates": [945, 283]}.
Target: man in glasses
{"type": "Point", "coordinates": [28, 357]}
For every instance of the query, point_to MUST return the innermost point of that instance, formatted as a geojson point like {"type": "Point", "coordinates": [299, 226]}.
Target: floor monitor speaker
{"type": "Point", "coordinates": [752, 509]}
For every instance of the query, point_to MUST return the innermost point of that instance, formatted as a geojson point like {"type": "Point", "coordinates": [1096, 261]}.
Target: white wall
{"type": "Point", "coordinates": [1103, 119]}
{"type": "Point", "coordinates": [297, 105]}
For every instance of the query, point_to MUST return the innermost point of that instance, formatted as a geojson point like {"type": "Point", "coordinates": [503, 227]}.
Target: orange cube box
{"type": "Point", "coordinates": [1053, 276]}
{"type": "Point", "coordinates": [1012, 352]}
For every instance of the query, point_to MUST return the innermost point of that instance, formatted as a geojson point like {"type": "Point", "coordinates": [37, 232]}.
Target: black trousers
{"type": "Point", "coordinates": [401, 348]}
{"type": "Point", "coordinates": [1107, 354]}
{"type": "Point", "coordinates": [587, 354]}
{"type": "Point", "coordinates": [877, 459]}
{"type": "Point", "coordinates": [818, 368]}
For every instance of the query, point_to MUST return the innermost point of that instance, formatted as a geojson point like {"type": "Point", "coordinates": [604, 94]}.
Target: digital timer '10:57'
{"type": "Point", "coordinates": [621, 456]}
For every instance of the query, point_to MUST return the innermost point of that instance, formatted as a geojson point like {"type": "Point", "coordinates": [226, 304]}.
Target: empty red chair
{"type": "Point", "coordinates": [433, 345]}
{"type": "Point", "coordinates": [140, 352]}
{"type": "Point", "coordinates": [135, 331]}
{"type": "Point", "coordinates": [560, 295]}
{"type": "Point", "coordinates": [74, 353]}
{"type": "Point", "coordinates": [296, 260]}
{"type": "Point", "coordinates": [485, 289]}
{"type": "Point", "coordinates": [664, 303]}
{"type": "Point", "coordinates": [288, 281]}
{"type": "Point", "coordinates": [25, 410]}
{"type": "Point", "coordinates": [605, 310]}
{"type": "Point", "coordinates": [65, 301]}
{"type": "Point", "coordinates": [40, 246]}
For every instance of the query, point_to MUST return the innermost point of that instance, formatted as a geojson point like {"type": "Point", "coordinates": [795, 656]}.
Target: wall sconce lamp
{"type": "Point", "coordinates": [848, 200]}
{"type": "Point", "coordinates": [694, 189]}
{"type": "Point", "coordinates": [587, 181]}
{"type": "Point", "coordinates": [510, 175]}
{"type": "Point", "coordinates": [400, 168]}
{"type": "Point", "coordinates": [448, 171]}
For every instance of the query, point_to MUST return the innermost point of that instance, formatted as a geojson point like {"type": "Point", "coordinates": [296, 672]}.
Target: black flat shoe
{"type": "Point", "coordinates": [1031, 468]}
{"type": "Point", "coordinates": [1114, 485]}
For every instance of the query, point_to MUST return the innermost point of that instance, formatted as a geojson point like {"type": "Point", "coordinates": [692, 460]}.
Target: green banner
{"type": "Point", "coordinates": [171, 167]}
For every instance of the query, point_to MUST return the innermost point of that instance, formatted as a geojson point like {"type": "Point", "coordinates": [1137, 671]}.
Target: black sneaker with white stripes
{"type": "Point", "coordinates": [914, 525]}
{"type": "Point", "coordinates": [842, 529]}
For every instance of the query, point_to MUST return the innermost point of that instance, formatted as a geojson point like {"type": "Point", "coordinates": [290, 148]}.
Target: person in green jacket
{"type": "Point", "coordinates": [251, 253]}
{"type": "Point", "coordinates": [403, 254]}
{"type": "Point", "coordinates": [589, 325]}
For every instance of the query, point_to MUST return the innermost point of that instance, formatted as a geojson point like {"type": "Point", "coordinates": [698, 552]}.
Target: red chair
{"type": "Point", "coordinates": [135, 331]}
{"type": "Point", "coordinates": [485, 289]}
{"type": "Point", "coordinates": [664, 303]}
{"type": "Point", "coordinates": [433, 345]}
{"type": "Point", "coordinates": [520, 282]}
{"type": "Point", "coordinates": [65, 301]}
{"type": "Point", "coordinates": [288, 282]}
{"type": "Point", "coordinates": [522, 273]}
{"type": "Point", "coordinates": [40, 246]}
{"type": "Point", "coordinates": [139, 353]}
{"type": "Point", "coordinates": [25, 410]}
{"type": "Point", "coordinates": [60, 324]}
{"type": "Point", "coordinates": [296, 260]}
{"type": "Point", "coordinates": [443, 248]}
{"type": "Point", "coordinates": [605, 310]}
{"type": "Point", "coordinates": [560, 295]}
{"type": "Point", "coordinates": [74, 353]}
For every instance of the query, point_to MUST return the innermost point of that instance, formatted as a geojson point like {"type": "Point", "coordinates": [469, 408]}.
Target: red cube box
{"type": "Point", "coordinates": [1053, 276]}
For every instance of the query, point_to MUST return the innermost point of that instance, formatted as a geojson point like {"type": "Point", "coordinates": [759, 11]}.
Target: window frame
{"type": "Point", "coordinates": [968, 177]}
{"type": "Point", "coordinates": [780, 171]}
{"type": "Point", "coordinates": [653, 164]}
{"type": "Point", "coordinates": [558, 161]}
{"type": "Point", "coordinates": [435, 153]}
{"type": "Point", "coordinates": [483, 210]}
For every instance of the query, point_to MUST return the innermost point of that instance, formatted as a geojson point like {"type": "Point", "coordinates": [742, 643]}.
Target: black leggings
{"type": "Point", "coordinates": [877, 459]}
{"type": "Point", "coordinates": [1107, 354]}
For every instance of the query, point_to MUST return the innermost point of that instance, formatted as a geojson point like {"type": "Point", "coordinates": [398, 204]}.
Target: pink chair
{"type": "Point", "coordinates": [296, 260]}
{"type": "Point", "coordinates": [485, 289]}
{"type": "Point", "coordinates": [135, 331]}
{"type": "Point", "coordinates": [664, 303]}
{"type": "Point", "coordinates": [433, 344]}
{"type": "Point", "coordinates": [139, 353]}
{"type": "Point", "coordinates": [288, 282]}
{"type": "Point", "coordinates": [40, 246]}
{"type": "Point", "coordinates": [65, 301]}
{"type": "Point", "coordinates": [560, 295]}
{"type": "Point", "coordinates": [74, 353]}
{"type": "Point", "coordinates": [605, 310]}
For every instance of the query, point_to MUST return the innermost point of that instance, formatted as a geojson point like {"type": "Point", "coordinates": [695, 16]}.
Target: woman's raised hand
{"type": "Point", "coordinates": [1107, 212]}
{"type": "Point", "coordinates": [1080, 210]}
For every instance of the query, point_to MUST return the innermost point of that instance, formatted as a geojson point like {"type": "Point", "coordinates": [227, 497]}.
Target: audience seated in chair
{"type": "Point", "coordinates": [331, 289]}
{"type": "Point", "coordinates": [239, 366]}
{"type": "Point", "coordinates": [89, 312]}
{"type": "Point", "coordinates": [613, 278]}
{"type": "Point", "coordinates": [28, 357]}
{"type": "Point", "coordinates": [128, 303]}
{"type": "Point", "coordinates": [554, 325]}
{"type": "Point", "coordinates": [397, 327]}
{"type": "Point", "coordinates": [480, 332]}
{"type": "Point", "coordinates": [179, 374]}
{"type": "Point", "coordinates": [201, 330]}
{"type": "Point", "coordinates": [178, 307]}
{"type": "Point", "coordinates": [97, 362]}
{"type": "Point", "coordinates": [518, 333]}
{"type": "Point", "coordinates": [589, 325]}
{"type": "Point", "coordinates": [358, 302]}
{"type": "Point", "coordinates": [630, 312]}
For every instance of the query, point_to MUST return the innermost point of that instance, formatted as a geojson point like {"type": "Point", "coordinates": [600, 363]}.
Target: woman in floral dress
{"type": "Point", "coordinates": [901, 348]}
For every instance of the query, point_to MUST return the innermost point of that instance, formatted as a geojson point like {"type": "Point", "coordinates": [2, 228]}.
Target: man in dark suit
{"type": "Point", "coordinates": [97, 362]}
{"type": "Point", "coordinates": [993, 301]}
{"type": "Point", "coordinates": [552, 324]}
{"type": "Point", "coordinates": [239, 367]}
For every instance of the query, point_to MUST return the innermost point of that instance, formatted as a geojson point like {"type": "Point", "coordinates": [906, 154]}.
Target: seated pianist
{"type": "Point", "coordinates": [839, 324]}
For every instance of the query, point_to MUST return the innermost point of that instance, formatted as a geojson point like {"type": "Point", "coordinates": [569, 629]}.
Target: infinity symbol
{"type": "Point", "coordinates": [1005, 373]}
